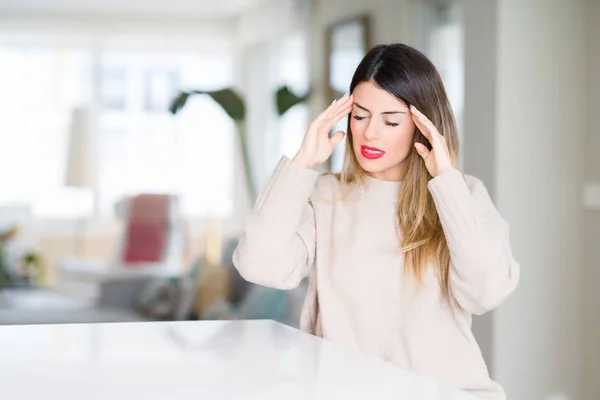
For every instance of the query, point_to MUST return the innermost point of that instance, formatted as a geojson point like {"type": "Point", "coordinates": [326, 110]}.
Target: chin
{"type": "Point", "coordinates": [371, 166]}
{"type": "Point", "coordinates": [380, 166]}
{"type": "Point", "coordinates": [373, 170]}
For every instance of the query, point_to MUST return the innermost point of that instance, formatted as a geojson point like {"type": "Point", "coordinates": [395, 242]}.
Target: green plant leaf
{"type": "Point", "coordinates": [286, 99]}
{"type": "Point", "coordinates": [179, 102]}
{"type": "Point", "coordinates": [231, 102]}
{"type": "Point", "coordinates": [227, 98]}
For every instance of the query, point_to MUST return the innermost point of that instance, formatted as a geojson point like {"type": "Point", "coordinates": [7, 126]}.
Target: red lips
{"type": "Point", "coordinates": [371, 153]}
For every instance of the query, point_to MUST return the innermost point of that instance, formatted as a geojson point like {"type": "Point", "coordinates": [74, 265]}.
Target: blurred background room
{"type": "Point", "coordinates": [135, 136]}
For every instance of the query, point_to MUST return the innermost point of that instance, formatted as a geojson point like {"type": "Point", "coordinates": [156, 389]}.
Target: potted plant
{"type": "Point", "coordinates": [233, 104]}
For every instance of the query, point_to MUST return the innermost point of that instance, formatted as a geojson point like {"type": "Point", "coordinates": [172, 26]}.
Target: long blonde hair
{"type": "Point", "coordinates": [408, 75]}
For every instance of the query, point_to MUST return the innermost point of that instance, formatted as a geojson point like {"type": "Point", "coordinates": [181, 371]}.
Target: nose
{"type": "Point", "coordinates": [370, 131]}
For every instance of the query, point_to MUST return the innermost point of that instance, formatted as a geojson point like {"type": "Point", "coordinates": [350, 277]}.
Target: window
{"type": "Point", "coordinates": [143, 148]}
{"type": "Point", "coordinates": [38, 86]}
{"type": "Point", "coordinates": [140, 146]}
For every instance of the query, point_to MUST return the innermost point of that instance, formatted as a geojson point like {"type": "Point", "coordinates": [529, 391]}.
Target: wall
{"type": "Point", "coordinates": [591, 327]}
{"type": "Point", "coordinates": [479, 145]}
{"type": "Point", "coordinates": [266, 24]}
{"type": "Point", "coordinates": [192, 32]}
{"type": "Point", "coordinates": [539, 179]}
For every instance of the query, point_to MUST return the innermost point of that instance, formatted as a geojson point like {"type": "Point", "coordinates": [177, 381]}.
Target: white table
{"type": "Point", "coordinates": [195, 360]}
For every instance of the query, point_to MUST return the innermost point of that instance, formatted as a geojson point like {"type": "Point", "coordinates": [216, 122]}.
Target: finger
{"type": "Point", "coordinates": [423, 129]}
{"type": "Point", "coordinates": [417, 119]}
{"type": "Point", "coordinates": [336, 117]}
{"type": "Point", "coordinates": [422, 150]}
{"type": "Point", "coordinates": [335, 112]}
{"type": "Point", "coordinates": [427, 125]}
{"type": "Point", "coordinates": [337, 138]}
{"type": "Point", "coordinates": [348, 98]}
{"type": "Point", "coordinates": [341, 114]}
{"type": "Point", "coordinates": [433, 135]}
{"type": "Point", "coordinates": [341, 104]}
{"type": "Point", "coordinates": [326, 112]}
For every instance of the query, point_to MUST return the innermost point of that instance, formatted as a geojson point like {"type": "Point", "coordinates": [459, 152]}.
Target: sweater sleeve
{"type": "Point", "coordinates": [483, 271]}
{"type": "Point", "coordinates": [277, 247]}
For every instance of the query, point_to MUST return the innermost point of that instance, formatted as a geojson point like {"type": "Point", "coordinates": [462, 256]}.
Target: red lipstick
{"type": "Point", "coordinates": [371, 153]}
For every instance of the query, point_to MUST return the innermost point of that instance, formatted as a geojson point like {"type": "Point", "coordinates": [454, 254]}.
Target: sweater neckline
{"type": "Point", "coordinates": [382, 188]}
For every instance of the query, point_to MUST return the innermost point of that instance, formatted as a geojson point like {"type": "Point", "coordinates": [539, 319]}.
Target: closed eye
{"type": "Point", "coordinates": [356, 117]}
{"type": "Point", "coordinates": [391, 123]}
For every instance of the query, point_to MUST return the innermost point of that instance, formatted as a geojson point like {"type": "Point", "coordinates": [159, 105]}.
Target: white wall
{"type": "Point", "coordinates": [539, 171]}
{"type": "Point", "coordinates": [53, 28]}
{"type": "Point", "coordinates": [591, 326]}
{"type": "Point", "coordinates": [272, 21]}
{"type": "Point", "coordinates": [479, 145]}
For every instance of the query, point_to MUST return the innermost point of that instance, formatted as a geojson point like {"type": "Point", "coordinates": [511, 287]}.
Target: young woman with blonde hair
{"type": "Point", "coordinates": [401, 248]}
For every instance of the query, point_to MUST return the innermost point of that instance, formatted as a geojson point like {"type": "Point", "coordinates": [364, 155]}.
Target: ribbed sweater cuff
{"type": "Point", "coordinates": [454, 203]}
{"type": "Point", "coordinates": [288, 189]}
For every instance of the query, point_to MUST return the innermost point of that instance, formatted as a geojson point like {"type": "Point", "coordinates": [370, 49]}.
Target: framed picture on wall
{"type": "Point", "coordinates": [347, 42]}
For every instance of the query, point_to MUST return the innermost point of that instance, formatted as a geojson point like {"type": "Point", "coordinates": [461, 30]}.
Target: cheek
{"type": "Point", "coordinates": [356, 128]}
{"type": "Point", "coordinates": [402, 136]}
{"type": "Point", "coordinates": [357, 134]}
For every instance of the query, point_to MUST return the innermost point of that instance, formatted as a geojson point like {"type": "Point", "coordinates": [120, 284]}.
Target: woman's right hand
{"type": "Point", "coordinates": [317, 146]}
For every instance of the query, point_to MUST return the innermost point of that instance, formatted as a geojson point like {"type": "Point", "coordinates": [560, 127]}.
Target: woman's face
{"type": "Point", "coordinates": [382, 132]}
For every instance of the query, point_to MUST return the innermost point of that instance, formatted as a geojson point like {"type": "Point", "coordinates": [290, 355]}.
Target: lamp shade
{"type": "Point", "coordinates": [80, 160]}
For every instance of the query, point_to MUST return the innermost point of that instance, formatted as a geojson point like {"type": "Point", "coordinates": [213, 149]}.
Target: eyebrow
{"type": "Point", "coordinates": [385, 112]}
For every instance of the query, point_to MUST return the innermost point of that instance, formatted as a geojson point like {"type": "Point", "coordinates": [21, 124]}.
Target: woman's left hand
{"type": "Point", "coordinates": [437, 160]}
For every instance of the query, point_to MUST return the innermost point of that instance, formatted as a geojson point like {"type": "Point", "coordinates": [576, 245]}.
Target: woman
{"type": "Point", "coordinates": [401, 248]}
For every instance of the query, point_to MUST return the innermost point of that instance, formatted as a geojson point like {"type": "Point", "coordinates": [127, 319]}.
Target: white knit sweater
{"type": "Point", "coordinates": [359, 295]}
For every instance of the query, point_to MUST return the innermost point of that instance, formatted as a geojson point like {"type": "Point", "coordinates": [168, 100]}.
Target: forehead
{"type": "Point", "coordinates": [371, 96]}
